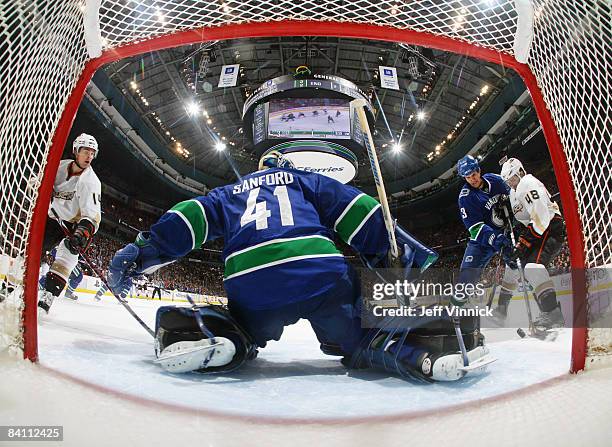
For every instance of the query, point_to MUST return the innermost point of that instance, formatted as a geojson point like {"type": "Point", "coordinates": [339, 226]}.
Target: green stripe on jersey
{"type": "Point", "coordinates": [354, 216]}
{"type": "Point", "coordinates": [475, 230]}
{"type": "Point", "coordinates": [276, 252]}
{"type": "Point", "coordinates": [193, 214]}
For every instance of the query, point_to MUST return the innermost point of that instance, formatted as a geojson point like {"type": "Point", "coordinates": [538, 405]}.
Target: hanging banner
{"type": "Point", "coordinates": [388, 77]}
{"type": "Point", "coordinates": [229, 75]}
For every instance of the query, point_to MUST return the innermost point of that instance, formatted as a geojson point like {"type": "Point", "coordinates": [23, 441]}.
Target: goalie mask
{"type": "Point", "coordinates": [181, 345]}
{"type": "Point", "coordinates": [274, 159]}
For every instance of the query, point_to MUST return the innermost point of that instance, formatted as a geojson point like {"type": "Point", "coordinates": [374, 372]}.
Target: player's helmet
{"type": "Point", "coordinates": [84, 140]}
{"type": "Point", "coordinates": [512, 167]}
{"type": "Point", "coordinates": [274, 159]}
{"type": "Point", "coordinates": [467, 165]}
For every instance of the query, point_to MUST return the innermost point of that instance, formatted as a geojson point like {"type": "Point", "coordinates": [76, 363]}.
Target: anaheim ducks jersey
{"type": "Point", "coordinates": [531, 204]}
{"type": "Point", "coordinates": [76, 197]}
{"type": "Point", "coordinates": [278, 227]}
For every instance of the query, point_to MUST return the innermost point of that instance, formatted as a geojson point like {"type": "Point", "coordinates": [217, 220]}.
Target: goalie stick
{"type": "Point", "coordinates": [99, 274]}
{"type": "Point", "coordinates": [359, 106]}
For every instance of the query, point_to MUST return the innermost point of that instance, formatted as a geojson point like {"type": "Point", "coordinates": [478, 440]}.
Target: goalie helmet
{"type": "Point", "coordinates": [510, 168]}
{"type": "Point", "coordinates": [467, 165]}
{"type": "Point", "coordinates": [274, 159]}
{"type": "Point", "coordinates": [84, 140]}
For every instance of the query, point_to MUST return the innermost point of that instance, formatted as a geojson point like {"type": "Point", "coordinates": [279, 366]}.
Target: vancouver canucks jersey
{"type": "Point", "coordinates": [476, 206]}
{"type": "Point", "coordinates": [278, 227]}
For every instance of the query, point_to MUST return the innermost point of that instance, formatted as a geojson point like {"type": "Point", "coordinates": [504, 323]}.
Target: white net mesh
{"type": "Point", "coordinates": [44, 53]}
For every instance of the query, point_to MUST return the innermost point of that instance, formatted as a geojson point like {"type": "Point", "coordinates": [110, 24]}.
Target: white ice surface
{"type": "Point", "coordinates": [99, 342]}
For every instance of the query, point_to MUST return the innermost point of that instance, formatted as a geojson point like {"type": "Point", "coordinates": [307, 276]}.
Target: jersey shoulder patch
{"type": "Point", "coordinates": [465, 191]}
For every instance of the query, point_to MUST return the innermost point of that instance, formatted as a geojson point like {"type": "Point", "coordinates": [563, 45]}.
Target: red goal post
{"type": "Point", "coordinates": [54, 48]}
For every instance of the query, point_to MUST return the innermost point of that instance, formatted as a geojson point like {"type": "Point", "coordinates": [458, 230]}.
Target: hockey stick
{"type": "Point", "coordinates": [359, 106]}
{"type": "Point", "coordinates": [532, 329]}
{"type": "Point", "coordinates": [495, 285]}
{"type": "Point", "coordinates": [99, 274]}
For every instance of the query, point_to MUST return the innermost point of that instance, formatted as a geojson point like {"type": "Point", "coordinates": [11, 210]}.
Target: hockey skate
{"type": "Point", "coordinates": [45, 300]}
{"type": "Point", "coordinates": [549, 320]}
{"type": "Point", "coordinates": [500, 313]}
{"type": "Point", "coordinates": [71, 295]}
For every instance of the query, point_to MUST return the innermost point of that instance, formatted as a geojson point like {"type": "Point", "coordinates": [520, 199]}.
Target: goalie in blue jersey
{"type": "Point", "coordinates": [281, 265]}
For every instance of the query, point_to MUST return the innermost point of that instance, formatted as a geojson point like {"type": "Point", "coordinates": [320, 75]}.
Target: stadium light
{"type": "Point", "coordinates": [397, 148]}
{"type": "Point", "coordinates": [220, 147]}
{"type": "Point", "coordinates": [193, 108]}
{"type": "Point", "coordinates": [421, 115]}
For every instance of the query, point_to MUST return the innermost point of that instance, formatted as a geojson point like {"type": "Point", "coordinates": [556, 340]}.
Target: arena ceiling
{"type": "Point", "coordinates": [175, 91]}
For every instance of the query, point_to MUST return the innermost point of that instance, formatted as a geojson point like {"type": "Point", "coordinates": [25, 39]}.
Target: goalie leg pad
{"type": "Point", "coordinates": [176, 325]}
{"type": "Point", "coordinates": [187, 356]}
{"type": "Point", "coordinates": [448, 368]}
{"type": "Point", "coordinates": [411, 352]}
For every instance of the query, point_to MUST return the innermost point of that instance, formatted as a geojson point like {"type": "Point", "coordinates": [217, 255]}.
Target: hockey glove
{"type": "Point", "coordinates": [500, 242]}
{"type": "Point", "coordinates": [527, 240]}
{"type": "Point", "coordinates": [133, 260]}
{"type": "Point", "coordinates": [509, 258]}
{"type": "Point", "coordinates": [503, 208]}
{"type": "Point", "coordinates": [81, 237]}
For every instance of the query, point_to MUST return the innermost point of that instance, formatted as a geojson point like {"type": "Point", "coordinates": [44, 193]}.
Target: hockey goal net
{"type": "Point", "coordinates": [51, 49]}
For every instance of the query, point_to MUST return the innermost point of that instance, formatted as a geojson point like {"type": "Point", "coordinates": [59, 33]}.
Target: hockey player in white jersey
{"type": "Point", "coordinates": [76, 202]}
{"type": "Point", "coordinates": [541, 239]}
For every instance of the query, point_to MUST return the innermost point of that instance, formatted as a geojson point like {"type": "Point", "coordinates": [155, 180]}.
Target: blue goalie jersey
{"type": "Point", "coordinates": [476, 206]}
{"type": "Point", "coordinates": [278, 227]}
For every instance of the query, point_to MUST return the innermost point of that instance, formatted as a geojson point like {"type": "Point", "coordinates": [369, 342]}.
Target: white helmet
{"type": "Point", "coordinates": [84, 140]}
{"type": "Point", "coordinates": [512, 167]}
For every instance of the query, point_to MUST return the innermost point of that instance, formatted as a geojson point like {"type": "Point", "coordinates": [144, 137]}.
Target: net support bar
{"type": "Point", "coordinates": [524, 30]}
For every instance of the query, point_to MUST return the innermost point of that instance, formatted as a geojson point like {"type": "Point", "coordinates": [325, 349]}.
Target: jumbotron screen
{"type": "Point", "coordinates": [309, 118]}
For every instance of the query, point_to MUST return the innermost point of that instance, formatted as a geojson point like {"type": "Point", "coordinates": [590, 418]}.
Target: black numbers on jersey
{"type": "Point", "coordinates": [533, 194]}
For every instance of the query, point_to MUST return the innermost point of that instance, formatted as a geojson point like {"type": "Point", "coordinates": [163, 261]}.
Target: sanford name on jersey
{"type": "Point", "coordinates": [276, 178]}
